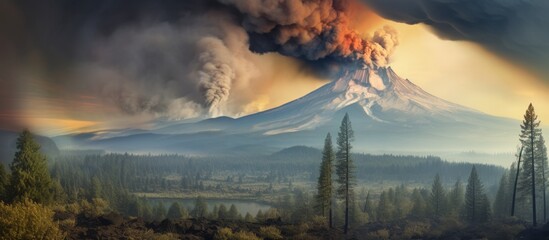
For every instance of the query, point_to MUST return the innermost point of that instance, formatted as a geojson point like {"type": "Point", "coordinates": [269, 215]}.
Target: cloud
{"type": "Point", "coordinates": [170, 58]}
{"type": "Point", "coordinates": [310, 30]}
{"type": "Point", "coordinates": [514, 29]}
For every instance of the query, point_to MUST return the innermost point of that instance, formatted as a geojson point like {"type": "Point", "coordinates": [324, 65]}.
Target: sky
{"type": "Point", "coordinates": [70, 67]}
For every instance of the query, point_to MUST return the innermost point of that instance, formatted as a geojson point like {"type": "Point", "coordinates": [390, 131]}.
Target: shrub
{"type": "Point", "coordinates": [415, 229]}
{"type": "Point", "coordinates": [270, 232]}
{"type": "Point", "coordinates": [227, 234]}
{"type": "Point", "coordinates": [319, 221]}
{"type": "Point", "coordinates": [443, 226]}
{"type": "Point", "coordinates": [379, 234]}
{"type": "Point", "coordinates": [244, 235]}
{"type": "Point", "coordinates": [28, 220]}
{"type": "Point", "coordinates": [223, 234]}
{"type": "Point", "coordinates": [166, 236]}
{"type": "Point", "coordinates": [97, 207]}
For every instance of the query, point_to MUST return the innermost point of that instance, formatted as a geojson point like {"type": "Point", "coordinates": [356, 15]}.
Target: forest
{"type": "Point", "coordinates": [302, 192]}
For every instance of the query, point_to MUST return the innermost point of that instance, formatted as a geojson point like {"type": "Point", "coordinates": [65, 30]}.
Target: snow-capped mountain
{"type": "Point", "coordinates": [380, 94]}
{"type": "Point", "coordinates": [388, 113]}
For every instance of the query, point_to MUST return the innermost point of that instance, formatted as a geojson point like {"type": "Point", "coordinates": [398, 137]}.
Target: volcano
{"type": "Point", "coordinates": [388, 113]}
{"type": "Point", "coordinates": [377, 96]}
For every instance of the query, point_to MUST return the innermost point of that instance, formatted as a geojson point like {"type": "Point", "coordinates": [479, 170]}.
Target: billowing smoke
{"type": "Point", "coordinates": [514, 29]}
{"type": "Point", "coordinates": [195, 61]}
{"type": "Point", "coordinates": [216, 76]}
{"type": "Point", "coordinates": [312, 30]}
{"type": "Point", "coordinates": [176, 59]}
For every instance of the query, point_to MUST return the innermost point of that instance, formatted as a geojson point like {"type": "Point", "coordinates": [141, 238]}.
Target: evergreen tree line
{"type": "Point", "coordinates": [469, 203]}
{"type": "Point", "coordinates": [527, 178]}
{"type": "Point", "coordinates": [159, 212]}
{"type": "Point", "coordinates": [472, 206]}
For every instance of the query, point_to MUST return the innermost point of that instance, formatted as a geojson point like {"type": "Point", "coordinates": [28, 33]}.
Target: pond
{"type": "Point", "coordinates": [243, 206]}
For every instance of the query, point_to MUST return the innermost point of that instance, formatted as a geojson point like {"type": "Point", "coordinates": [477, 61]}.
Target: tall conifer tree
{"type": "Point", "coordinates": [541, 172]}
{"type": "Point", "coordinates": [501, 202]}
{"type": "Point", "coordinates": [30, 178]}
{"type": "Point", "coordinates": [345, 166]}
{"type": "Point", "coordinates": [529, 137]}
{"type": "Point", "coordinates": [438, 197]}
{"type": "Point", "coordinates": [324, 187]}
{"type": "Point", "coordinates": [456, 198]}
{"type": "Point", "coordinates": [474, 194]}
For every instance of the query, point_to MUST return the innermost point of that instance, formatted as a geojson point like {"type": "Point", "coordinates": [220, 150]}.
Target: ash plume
{"type": "Point", "coordinates": [171, 58]}
{"type": "Point", "coordinates": [312, 30]}
{"type": "Point", "coordinates": [216, 76]}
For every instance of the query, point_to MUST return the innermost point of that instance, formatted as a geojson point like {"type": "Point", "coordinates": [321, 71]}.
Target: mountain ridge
{"type": "Point", "coordinates": [388, 113]}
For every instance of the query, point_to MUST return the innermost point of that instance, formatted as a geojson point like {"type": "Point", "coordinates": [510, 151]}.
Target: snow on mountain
{"type": "Point", "coordinates": [380, 93]}
{"type": "Point", "coordinates": [388, 113]}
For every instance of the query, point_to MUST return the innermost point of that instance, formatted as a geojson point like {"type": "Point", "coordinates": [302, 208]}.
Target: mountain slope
{"type": "Point", "coordinates": [383, 96]}
{"type": "Point", "coordinates": [388, 113]}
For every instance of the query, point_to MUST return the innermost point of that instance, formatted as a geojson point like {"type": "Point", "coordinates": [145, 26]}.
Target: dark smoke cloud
{"type": "Point", "coordinates": [515, 29]}
{"type": "Point", "coordinates": [171, 58]}
{"type": "Point", "coordinates": [311, 30]}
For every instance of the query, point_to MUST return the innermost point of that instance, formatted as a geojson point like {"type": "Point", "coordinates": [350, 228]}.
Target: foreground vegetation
{"type": "Point", "coordinates": [101, 196]}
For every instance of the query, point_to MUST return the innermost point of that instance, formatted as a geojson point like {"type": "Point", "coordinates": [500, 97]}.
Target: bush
{"type": "Point", "coordinates": [28, 220]}
{"type": "Point", "coordinates": [244, 235]}
{"type": "Point", "coordinates": [166, 236]}
{"type": "Point", "coordinates": [223, 234]}
{"type": "Point", "coordinates": [415, 230]}
{"type": "Point", "coordinates": [270, 232]}
{"type": "Point", "coordinates": [319, 221]}
{"type": "Point", "coordinates": [227, 234]}
{"type": "Point", "coordinates": [96, 208]}
{"type": "Point", "coordinates": [443, 226]}
{"type": "Point", "coordinates": [379, 234]}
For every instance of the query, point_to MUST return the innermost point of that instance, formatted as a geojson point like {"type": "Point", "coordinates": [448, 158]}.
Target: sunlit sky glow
{"type": "Point", "coordinates": [457, 71]}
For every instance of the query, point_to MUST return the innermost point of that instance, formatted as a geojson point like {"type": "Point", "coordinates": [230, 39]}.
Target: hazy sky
{"type": "Point", "coordinates": [97, 65]}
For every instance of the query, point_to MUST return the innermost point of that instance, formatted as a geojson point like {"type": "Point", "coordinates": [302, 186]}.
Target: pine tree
{"type": "Point", "coordinates": [474, 194]}
{"type": "Point", "coordinates": [4, 180]}
{"type": "Point", "coordinates": [159, 211]}
{"type": "Point", "coordinates": [30, 178]}
{"type": "Point", "coordinates": [200, 208]}
{"type": "Point", "coordinates": [500, 203]}
{"type": "Point", "coordinates": [223, 213]}
{"type": "Point", "coordinates": [438, 197]}
{"type": "Point", "coordinates": [174, 212]}
{"type": "Point", "coordinates": [529, 137]}
{"type": "Point", "coordinates": [401, 201]}
{"type": "Point", "coordinates": [541, 168]}
{"type": "Point", "coordinates": [259, 216]}
{"type": "Point", "coordinates": [147, 212]}
{"type": "Point", "coordinates": [214, 213]}
{"type": "Point", "coordinates": [368, 206]}
{"type": "Point", "coordinates": [456, 198]}
{"type": "Point", "coordinates": [233, 212]}
{"type": "Point", "coordinates": [485, 210]}
{"type": "Point", "coordinates": [95, 189]}
{"type": "Point", "coordinates": [383, 212]}
{"type": "Point", "coordinates": [345, 167]}
{"type": "Point", "coordinates": [325, 189]}
{"type": "Point", "coordinates": [249, 217]}
{"type": "Point", "coordinates": [356, 216]}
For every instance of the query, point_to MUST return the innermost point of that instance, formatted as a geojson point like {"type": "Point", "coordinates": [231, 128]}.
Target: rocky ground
{"type": "Point", "coordinates": [114, 226]}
